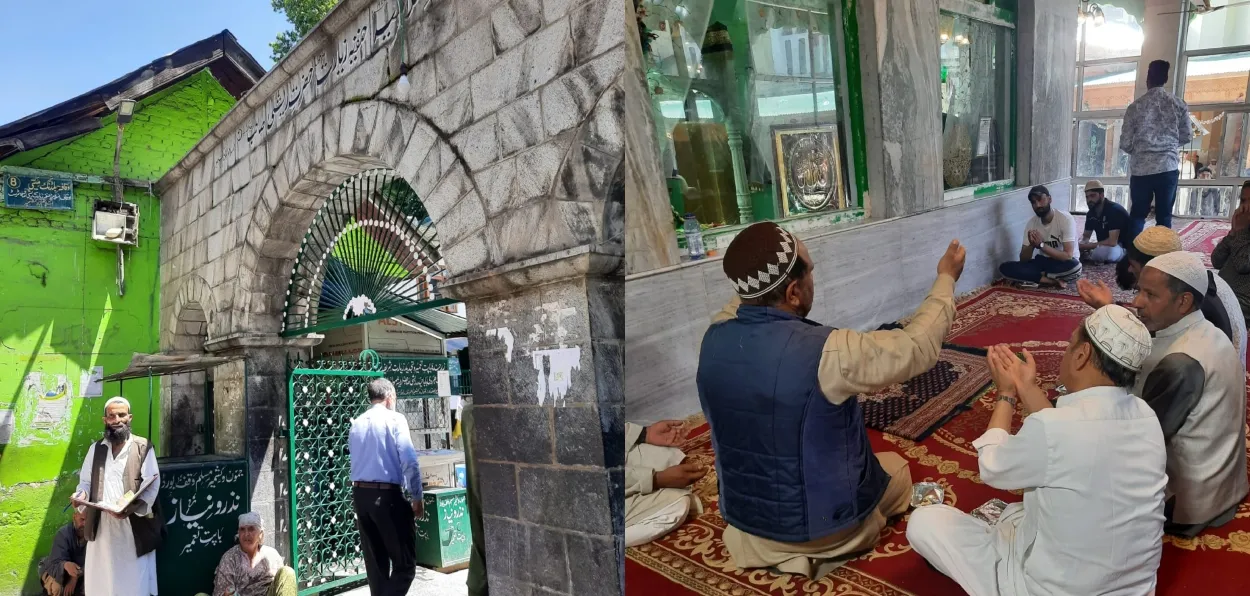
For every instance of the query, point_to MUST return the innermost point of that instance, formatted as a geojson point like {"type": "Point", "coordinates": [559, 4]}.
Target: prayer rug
{"type": "Point", "coordinates": [693, 560]}
{"type": "Point", "coordinates": [1104, 272]}
{"type": "Point", "coordinates": [1202, 236]}
{"type": "Point", "coordinates": [914, 408]}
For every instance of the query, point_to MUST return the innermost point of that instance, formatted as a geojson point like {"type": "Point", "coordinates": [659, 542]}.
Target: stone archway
{"type": "Point", "coordinates": [510, 133]}
{"type": "Point", "coordinates": [183, 397]}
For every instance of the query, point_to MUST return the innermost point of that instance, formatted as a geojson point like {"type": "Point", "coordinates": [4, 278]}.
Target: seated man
{"type": "Point", "coordinates": [1196, 385]}
{"type": "Point", "coordinates": [800, 487]}
{"type": "Point", "coordinates": [61, 571]}
{"type": "Point", "coordinates": [1091, 468]}
{"type": "Point", "coordinates": [252, 569]}
{"type": "Point", "coordinates": [1232, 255]}
{"type": "Point", "coordinates": [657, 498]}
{"type": "Point", "coordinates": [1108, 222]}
{"type": "Point", "coordinates": [1052, 235]}
{"type": "Point", "coordinates": [1219, 305]}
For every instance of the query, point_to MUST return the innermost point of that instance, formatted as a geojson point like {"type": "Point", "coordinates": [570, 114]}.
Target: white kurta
{"type": "Point", "coordinates": [651, 513]}
{"type": "Point", "coordinates": [112, 569]}
{"type": "Point", "coordinates": [1092, 470]}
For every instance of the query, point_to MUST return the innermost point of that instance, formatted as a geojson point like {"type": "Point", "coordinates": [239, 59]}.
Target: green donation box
{"type": "Point", "coordinates": [444, 538]}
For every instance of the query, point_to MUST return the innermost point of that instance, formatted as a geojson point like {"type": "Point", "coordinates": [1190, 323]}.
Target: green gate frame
{"type": "Point", "coordinates": [334, 376]}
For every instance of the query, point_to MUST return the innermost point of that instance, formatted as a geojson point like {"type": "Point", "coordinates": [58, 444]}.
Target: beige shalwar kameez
{"type": "Point", "coordinates": [854, 363]}
{"type": "Point", "coordinates": [651, 513]}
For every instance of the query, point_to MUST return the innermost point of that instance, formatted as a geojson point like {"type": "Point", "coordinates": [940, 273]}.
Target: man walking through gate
{"type": "Point", "coordinates": [1156, 126]}
{"type": "Point", "coordinates": [384, 464]}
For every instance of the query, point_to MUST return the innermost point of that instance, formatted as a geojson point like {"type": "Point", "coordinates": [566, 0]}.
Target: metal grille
{"type": "Point", "coordinates": [370, 253]}
{"type": "Point", "coordinates": [416, 385]}
{"type": "Point", "coordinates": [325, 396]}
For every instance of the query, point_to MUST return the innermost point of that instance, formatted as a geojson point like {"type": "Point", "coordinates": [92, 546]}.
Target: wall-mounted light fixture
{"type": "Point", "coordinates": [125, 111]}
{"type": "Point", "coordinates": [1088, 11]}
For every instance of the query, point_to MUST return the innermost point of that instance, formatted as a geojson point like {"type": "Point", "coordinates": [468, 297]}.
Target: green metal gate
{"type": "Point", "coordinates": [325, 396]}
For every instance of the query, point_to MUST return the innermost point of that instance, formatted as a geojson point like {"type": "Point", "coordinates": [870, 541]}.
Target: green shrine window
{"type": "Point", "coordinates": [751, 111]}
{"type": "Point", "coordinates": [977, 56]}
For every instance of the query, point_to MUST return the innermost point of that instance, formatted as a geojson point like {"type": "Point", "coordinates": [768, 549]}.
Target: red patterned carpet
{"type": "Point", "coordinates": [1202, 236]}
{"type": "Point", "coordinates": [692, 560]}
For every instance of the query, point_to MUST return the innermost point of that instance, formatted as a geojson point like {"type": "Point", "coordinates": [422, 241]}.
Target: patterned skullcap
{"type": "Point", "coordinates": [117, 400]}
{"type": "Point", "coordinates": [1157, 240]}
{"type": "Point", "coordinates": [760, 258]}
{"type": "Point", "coordinates": [1120, 335]}
{"type": "Point", "coordinates": [252, 519]}
{"type": "Point", "coordinates": [1185, 266]}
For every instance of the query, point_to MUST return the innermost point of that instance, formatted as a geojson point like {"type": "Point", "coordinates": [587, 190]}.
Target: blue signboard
{"type": "Point", "coordinates": [37, 189]}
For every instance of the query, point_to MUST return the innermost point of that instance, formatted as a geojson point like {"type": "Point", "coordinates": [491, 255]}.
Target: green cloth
{"type": "Point", "coordinates": [477, 583]}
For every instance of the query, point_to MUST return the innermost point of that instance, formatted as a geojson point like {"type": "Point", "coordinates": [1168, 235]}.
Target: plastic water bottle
{"type": "Point", "coordinates": [694, 237]}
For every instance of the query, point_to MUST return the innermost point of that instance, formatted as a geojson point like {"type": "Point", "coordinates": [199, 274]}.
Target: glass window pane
{"type": "Point", "coordinates": [1108, 86]}
{"type": "Point", "coordinates": [1120, 36]}
{"type": "Point", "coordinates": [976, 60]}
{"type": "Point", "coordinates": [1076, 91]}
{"type": "Point", "coordinates": [782, 41]}
{"type": "Point", "coordinates": [1220, 78]}
{"type": "Point", "coordinates": [1203, 153]}
{"type": "Point", "coordinates": [1098, 148]}
{"type": "Point", "coordinates": [1229, 163]}
{"type": "Point", "coordinates": [1218, 29]}
{"type": "Point", "coordinates": [1204, 201]}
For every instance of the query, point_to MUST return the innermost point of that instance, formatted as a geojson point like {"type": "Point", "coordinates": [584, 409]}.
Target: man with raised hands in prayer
{"type": "Point", "coordinates": [1091, 468]}
{"type": "Point", "coordinates": [657, 481]}
{"type": "Point", "coordinates": [800, 487]}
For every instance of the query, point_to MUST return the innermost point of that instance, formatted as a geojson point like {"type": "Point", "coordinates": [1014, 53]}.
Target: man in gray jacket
{"type": "Point", "coordinates": [1156, 126]}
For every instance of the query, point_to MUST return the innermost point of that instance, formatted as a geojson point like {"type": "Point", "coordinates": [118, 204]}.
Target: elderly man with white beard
{"type": "Point", "coordinates": [121, 548]}
{"type": "Point", "coordinates": [1195, 382]}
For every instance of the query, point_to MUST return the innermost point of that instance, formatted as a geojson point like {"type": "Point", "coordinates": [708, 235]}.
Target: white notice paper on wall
{"type": "Point", "coordinates": [454, 402]}
{"type": "Point", "coordinates": [983, 138]}
{"type": "Point", "coordinates": [91, 383]}
{"type": "Point", "coordinates": [444, 383]}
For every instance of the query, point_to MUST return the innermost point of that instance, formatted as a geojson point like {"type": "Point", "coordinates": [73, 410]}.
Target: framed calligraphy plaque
{"type": "Point", "coordinates": [809, 169]}
{"type": "Point", "coordinates": [37, 189]}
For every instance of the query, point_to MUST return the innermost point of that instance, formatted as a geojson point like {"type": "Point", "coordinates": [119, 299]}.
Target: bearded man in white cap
{"type": "Point", "coordinates": [800, 486]}
{"type": "Point", "coordinates": [1091, 467]}
{"type": "Point", "coordinates": [251, 568]}
{"type": "Point", "coordinates": [1219, 306]}
{"type": "Point", "coordinates": [121, 547]}
{"type": "Point", "coordinates": [1196, 384]}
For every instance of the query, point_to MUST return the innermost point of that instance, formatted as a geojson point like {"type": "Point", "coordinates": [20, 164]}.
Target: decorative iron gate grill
{"type": "Point", "coordinates": [325, 396]}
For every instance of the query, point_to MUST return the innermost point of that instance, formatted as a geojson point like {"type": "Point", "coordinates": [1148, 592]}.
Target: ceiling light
{"type": "Point", "coordinates": [1099, 17]}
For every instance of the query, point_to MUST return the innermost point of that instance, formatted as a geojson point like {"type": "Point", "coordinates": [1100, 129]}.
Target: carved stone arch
{"type": "Point", "coordinates": [194, 320]}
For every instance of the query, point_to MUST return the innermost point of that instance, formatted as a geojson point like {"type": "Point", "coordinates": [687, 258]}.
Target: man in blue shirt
{"type": "Point", "coordinates": [384, 464]}
{"type": "Point", "coordinates": [1108, 222]}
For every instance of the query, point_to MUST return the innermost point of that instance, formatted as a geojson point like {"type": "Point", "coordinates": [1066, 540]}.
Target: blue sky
{"type": "Point", "coordinates": [57, 49]}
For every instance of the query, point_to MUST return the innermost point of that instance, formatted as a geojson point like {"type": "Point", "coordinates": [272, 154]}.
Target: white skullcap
{"type": "Point", "coordinates": [1185, 266]}
{"type": "Point", "coordinates": [81, 509]}
{"type": "Point", "coordinates": [1119, 335]}
{"type": "Point", "coordinates": [117, 400]}
{"type": "Point", "coordinates": [252, 519]}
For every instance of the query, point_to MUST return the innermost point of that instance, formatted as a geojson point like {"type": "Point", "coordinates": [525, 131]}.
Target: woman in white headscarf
{"type": "Point", "coordinates": [252, 569]}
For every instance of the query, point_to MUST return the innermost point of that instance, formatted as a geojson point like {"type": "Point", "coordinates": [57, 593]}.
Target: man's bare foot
{"type": "Point", "coordinates": [1047, 282]}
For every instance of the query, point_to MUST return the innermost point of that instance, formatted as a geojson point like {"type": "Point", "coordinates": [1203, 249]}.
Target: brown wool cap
{"type": "Point", "coordinates": [760, 258]}
{"type": "Point", "coordinates": [1156, 241]}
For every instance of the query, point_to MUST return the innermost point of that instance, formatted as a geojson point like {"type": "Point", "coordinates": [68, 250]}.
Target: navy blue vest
{"type": "Point", "coordinates": [792, 466]}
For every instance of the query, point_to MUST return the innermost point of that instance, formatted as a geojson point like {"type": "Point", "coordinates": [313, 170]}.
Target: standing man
{"type": "Point", "coordinates": [384, 465]}
{"type": "Point", "coordinates": [1048, 256]}
{"type": "Point", "coordinates": [1108, 222]}
{"type": "Point", "coordinates": [1156, 126]}
{"type": "Point", "coordinates": [121, 548]}
{"type": "Point", "coordinates": [1091, 468]}
{"type": "Point", "coordinates": [1232, 254]}
{"type": "Point", "coordinates": [800, 486]}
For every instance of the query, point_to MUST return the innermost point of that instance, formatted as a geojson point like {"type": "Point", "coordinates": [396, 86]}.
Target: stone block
{"type": "Point", "coordinates": [465, 55]}
{"type": "Point", "coordinates": [554, 10]}
{"type": "Point", "coordinates": [612, 425]}
{"type": "Point", "coordinates": [609, 363]}
{"type": "Point", "coordinates": [497, 427]}
{"type": "Point", "coordinates": [479, 143]}
{"type": "Point", "coordinates": [581, 218]}
{"type": "Point", "coordinates": [567, 102]}
{"type": "Point", "coordinates": [505, 542]}
{"type": "Point", "coordinates": [364, 127]}
{"type": "Point", "coordinates": [396, 136]}
{"type": "Point", "coordinates": [549, 54]}
{"type": "Point", "coordinates": [434, 28]}
{"type": "Point", "coordinates": [446, 194]}
{"type": "Point", "coordinates": [586, 175]}
{"type": "Point", "coordinates": [367, 78]}
{"type": "Point", "coordinates": [578, 436]}
{"type": "Point", "coordinates": [521, 124]}
{"type": "Point", "coordinates": [468, 255]}
{"type": "Point", "coordinates": [597, 27]}
{"type": "Point", "coordinates": [497, 484]}
{"type": "Point", "coordinates": [469, 12]}
{"type": "Point", "coordinates": [221, 191]}
{"type": "Point", "coordinates": [536, 168]}
{"type": "Point", "coordinates": [570, 499]}
{"type": "Point", "coordinates": [495, 184]}
{"type": "Point", "coordinates": [491, 384]}
{"type": "Point", "coordinates": [349, 116]}
{"type": "Point", "coordinates": [450, 110]}
{"type": "Point", "coordinates": [606, 300]}
{"type": "Point", "coordinates": [545, 560]}
{"type": "Point", "coordinates": [598, 563]}
{"type": "Point", "coordinates": [524, 230]}
{"type": "Point", "coordinates": [415, 151]}
{"type": "Point", "coordinates": [514, 21]}
{"type": "Point", "coordinates": [465, 216]}
{"type": "Point", "coordinates": [422, 82]}
{"type": "Point", "coordinates": [498, 83]}
{"type": "Point", "coordinates": [605, 131]}
{"type": "Point", "coordinates": [240, 175]}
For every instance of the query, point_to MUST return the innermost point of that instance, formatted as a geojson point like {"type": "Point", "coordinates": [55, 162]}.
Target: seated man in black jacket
{"type": "Point", "coordinates": [61, 571]}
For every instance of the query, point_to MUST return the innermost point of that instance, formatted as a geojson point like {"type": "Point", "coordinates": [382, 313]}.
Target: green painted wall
{"type": "Point", "coordinates": [60, 313]}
